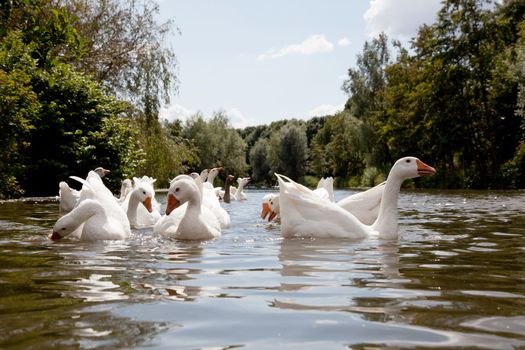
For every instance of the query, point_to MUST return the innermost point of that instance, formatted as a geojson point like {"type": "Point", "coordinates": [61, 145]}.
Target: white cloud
{"type": "Point", "coordinates": [176, 111]}
{"type": "Point", "coordinates": [343, 41]}
{"type": "Point", "coordinates": [325, 109]}
{"type": "Point", "coordinates": [400, 19]}
{"type": "Point", "coordinates": [314, 44]}
{"type": "Point", "coordinates": [237, 119]}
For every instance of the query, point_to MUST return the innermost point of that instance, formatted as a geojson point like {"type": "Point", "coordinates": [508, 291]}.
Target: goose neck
{"type": "Point", "coordinates": [386, 222]}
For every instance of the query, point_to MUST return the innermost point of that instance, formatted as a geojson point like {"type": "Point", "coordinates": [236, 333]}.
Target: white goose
{"type": "Point", "coordinates": [196, 222]}
{"type": "Point", "coordinates": [305, 214]}
{"type": "Point", "coordinates": [97, 215]}
{"type": "Point", "coordinates": [210, 199]}
{"type": "Point", "coordinates": [125, 188]}
{"type": "Point", "coordinates": [93, 222]}
{"type": "Point", "coordinates": [68, 198]}
{"type": "Point", "coordinates": [239, 194]}
{"type": "Point", "coordinates": [363, 205]}
{"type": "Point", "coordinates": [271, 207]}
{"type": "Point", "coordinates": [147, 214]}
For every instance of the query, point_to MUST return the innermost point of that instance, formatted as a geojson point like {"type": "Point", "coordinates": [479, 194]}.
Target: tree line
{"type": "Point", "coordinates": [82, 83]}
{"type": "Point", "coordinates": [455, 98]}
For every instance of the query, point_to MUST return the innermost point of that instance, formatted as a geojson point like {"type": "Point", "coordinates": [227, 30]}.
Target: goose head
{"type": "Point", "coordinates": [63, 227]}
{"type": "Point", "coordinates": [275, 208]}
{"type": "Point", "coordinates": [229, 180]}
{"type": "Point", "coordinates": [101, 171]}
{"type": "Point", "coordinates": [144, 194]}
{"type": "Point", "coordinates": [266, 206]}
{"type": "Point", "coordinates": [243, 181]}
{"type": "Point", "coordinates": [214, 172]}
{"type": "Point", "coordinates": [181, 191]}
{"type": "Point", "coordinates": [411, 167]}
{"type": "Point", "coordinates": [270, 206]}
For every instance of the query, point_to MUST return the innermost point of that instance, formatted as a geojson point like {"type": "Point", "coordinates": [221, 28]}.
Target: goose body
{"type": "Point", "coordinates": [91, 221]}
{"type": "Point", "coordinates": [210, 199]}
{"type": "Point", "coordinates": [239, 194]}
{"type": "Point", "coordinates": [186, 217]}
{"type": "Point", "coordinates": [68, 198]}
{"type": "Point", "coordinates": [325, 188]}
{"type": "Point", "coordinates": [305, 214]}
{"type": "Point", "coordinates": [99, 219]}
{"type": "Point", "coordinates": [364, 205]}
{"type": "Point", "coordinates": [125, 188]}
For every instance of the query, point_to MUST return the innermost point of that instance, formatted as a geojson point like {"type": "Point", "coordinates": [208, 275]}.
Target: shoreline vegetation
{"type": "Point", "coordinates": [74, 96]}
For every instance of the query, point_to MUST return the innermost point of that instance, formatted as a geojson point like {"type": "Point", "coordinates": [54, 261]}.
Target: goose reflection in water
{"type": "Point", "coordinates": [171, 281]}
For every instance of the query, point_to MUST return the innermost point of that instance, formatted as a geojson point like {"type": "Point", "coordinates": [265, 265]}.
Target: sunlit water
{"type": "Point", "coordinates": [455, 278]}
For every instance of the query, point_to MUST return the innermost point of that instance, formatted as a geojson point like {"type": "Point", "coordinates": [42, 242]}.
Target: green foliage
{"type": "Point", "coordinates": [19, 108]}
{"type": "Point", "coordinates": [288, 150]}
{"type": "Point", "coordinates": [216, 143]}
{"type": "Point", "coordinates": [77, 131]}
{"type": "Point", "coordinates": [338, 147]}
{"type": "Point", "coordinates": [259, 162]}
{"type": "Point", "coordinates": [131, 59]}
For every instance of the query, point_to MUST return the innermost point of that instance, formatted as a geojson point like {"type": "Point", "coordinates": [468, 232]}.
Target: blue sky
{"type": "Point", "coordinates": [261, 61]}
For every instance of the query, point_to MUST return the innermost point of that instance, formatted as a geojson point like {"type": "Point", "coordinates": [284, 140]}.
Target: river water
{"type": "Point", "coordinates": [455, 278]}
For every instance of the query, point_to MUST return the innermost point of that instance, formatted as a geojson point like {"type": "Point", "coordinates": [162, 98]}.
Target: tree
{"type": "Point", "coordinates": [79, 128]}
{"type": "Point", "coordinates": [216, 143]}
{"type": "Point", "coordinates": [123, 47]}
{"type": "Point", "coordinates": [288, 151]}
{"type": "Point", "coordinates": [259, 161]}
{"type": "Point", "coordinates": [19, 109]}
{"type": "Point", "coordinates": [366, 86]}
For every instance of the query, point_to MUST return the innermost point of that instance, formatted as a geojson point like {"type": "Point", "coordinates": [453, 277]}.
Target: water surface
{"type": "Point", "coordinates": [455, 278]}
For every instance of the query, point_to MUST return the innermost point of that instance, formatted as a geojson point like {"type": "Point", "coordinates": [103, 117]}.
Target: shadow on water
{"type": "Point", "coordinates": [455, 278]}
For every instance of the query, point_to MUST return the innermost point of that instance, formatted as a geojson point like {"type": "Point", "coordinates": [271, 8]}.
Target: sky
{"type": "Point", "coordinates": [260, 61]}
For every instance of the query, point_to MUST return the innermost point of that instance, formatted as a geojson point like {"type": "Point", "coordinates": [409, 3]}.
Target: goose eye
{"type": "Point", "coordinates": [63, 228]}
{"type": "Point", "coordinates": [177, 189]}
{"type": "Point", "coordinates": [143, 192]}
{"type": "Point", "coordinates": [408, 160]}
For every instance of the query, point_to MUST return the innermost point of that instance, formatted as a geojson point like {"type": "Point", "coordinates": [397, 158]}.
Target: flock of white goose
{"type": "Point", "coordinates": [194, 211]}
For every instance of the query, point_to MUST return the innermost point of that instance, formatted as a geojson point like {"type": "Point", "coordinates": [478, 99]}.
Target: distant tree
{"type": "Point", "coordinates": [366, 86]}
{"type": "Point", "coordinates": [259, 161]}
{"type": "Point", "coordinates": [288, 151]}
{"type": "Point", "coordinates": [337, 147]}
{"type": "Point", "coordinates": [216, 143]}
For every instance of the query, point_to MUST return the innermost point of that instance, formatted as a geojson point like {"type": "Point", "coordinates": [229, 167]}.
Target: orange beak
{"type": "Point", "coordinates": [55, 236]}
{"type": "Point", "coordinates": [147, 204]}
{"type": "Point", "coordinates": [424, 169]}
{"type": "Point", "coordinates": [265, 210]}
{"type": "Point", "coordinates": [172, 204]}
{"type": "Point", "coordinates": [272, 216]}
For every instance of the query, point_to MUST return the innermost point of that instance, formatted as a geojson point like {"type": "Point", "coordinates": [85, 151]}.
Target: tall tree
{"type": "Point", "coordinates": [124, 47]}
{"type": "Point", "coordinates": [259, 161]}
{"type": "Point", "coordinates": [288, 150]}
{"type": "Point", "coordinates": [216, 143]}
{"type": "Point", "coordinates": [366, 85]}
